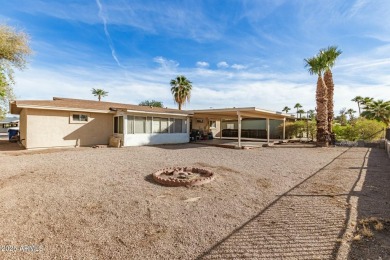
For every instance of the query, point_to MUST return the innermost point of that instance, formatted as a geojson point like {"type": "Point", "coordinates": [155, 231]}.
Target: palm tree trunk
{"type": "Point", "coordinates": [328, 78]}
{"type": "Point", "coordinates": [359, 108]}
{"type": "Point", "coordinates": [322, 113]}
{"type": "Point", "coordinates": [179, 106]}
{"type": "Point", "coordinates": [99, 97]}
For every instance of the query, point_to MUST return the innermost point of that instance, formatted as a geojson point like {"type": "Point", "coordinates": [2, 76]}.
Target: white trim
{"type": "Point", "coordinates": [71, 121]}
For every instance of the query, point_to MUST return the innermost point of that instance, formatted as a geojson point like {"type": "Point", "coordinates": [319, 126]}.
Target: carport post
{"type": "Point", "coordinates": [267, 130]}
{"type": "Point", "coordinates": [220, 128]}
{"type": "Point", "coordinates": [239, 129]}
{"type": "Point", "coordinates": [284, 128]}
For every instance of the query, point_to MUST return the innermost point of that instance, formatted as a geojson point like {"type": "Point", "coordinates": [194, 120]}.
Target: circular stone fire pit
{"type": "Point", "coordinates": [183, 176]}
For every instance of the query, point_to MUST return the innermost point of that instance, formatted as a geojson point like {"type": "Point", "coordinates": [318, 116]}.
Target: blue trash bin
{"type": "Point", "coordinates": [12, 132]}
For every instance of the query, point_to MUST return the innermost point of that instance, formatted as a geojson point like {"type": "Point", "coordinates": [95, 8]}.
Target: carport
{"type": "Point", "coordinates": [239, 114]}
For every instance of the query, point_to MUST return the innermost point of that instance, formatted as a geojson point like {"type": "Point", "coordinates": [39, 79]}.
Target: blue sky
{"type": "Point", "coordinates": [237, 53]}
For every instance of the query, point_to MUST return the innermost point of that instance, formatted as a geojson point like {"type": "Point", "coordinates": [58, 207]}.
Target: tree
{"type": "Point", "coordinates": [350, 112]}
{"type": "Point", "coordinates": [343, 118]}
{"type": "Point", "coordinates": [330, 55]}
{"type": "Point", "coordinates": [378, 110]}
{"type": "Point", "coordinates": [286, 109]}
{"type": "Point", "coordinates": [14, 50]}
{"type": "Point", "coordinates": [99, 93]}
{"type": "Point", "coordinates": [366, 100]}
{"type": "Point", "coordinates": [151, 103]}
{"type": "Point", "coordinates": [310, 114]}
{"type": "Point", "coordinates": [181, 89]}
{"type": "Point", "coordinates": [297, 106]}
{"type": "Point", "coordinates": [317, 65]}
{"type": "Point", "coordinates": [358, 100]}
{"type": "Point", "coordinates": [300, 112]}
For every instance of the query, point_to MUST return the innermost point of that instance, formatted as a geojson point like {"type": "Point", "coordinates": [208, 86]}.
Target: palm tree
{"type": "Point", "coordinates": [99, 93]}
{"type": "Point", "coordinates": [330, 55]}
{"type": "Point", "coordinates": [378, 110]}
{"type": "Point", "coordinates": [317, 65]}
{"type": "Point", "coordinates": [297, 106]}
{"type": "Point", "coordinates": [366, 100]}
{"type": "Point", "coordinates": [300, 112]}
{"type": "Point", "coordinates": [350, 112]}
{"type": "Point", "coordinates": [358, 100]}
{"type": "Point", "coordinates": [181, 90]}
{"type": "Point", "coordinates": [343, 118]}
{"type": "Point", "coordinates": [286, 109]}
{"type": "Point", "coordinates": [310, 113]}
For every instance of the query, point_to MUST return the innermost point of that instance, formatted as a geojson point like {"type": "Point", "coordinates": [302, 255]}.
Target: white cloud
{"type": "Point", "coordinates": [165, 63]}
{"type": "Point", "coordinates": [238, 66]}
{"type": "Point", "coordinates": [202, 64]}
{"type": "Point", "coordinates": [222, 64]}
{"type": "Point", "coordinates": [211, 88]}
{"type": "Point", "coordinates": [103, 16]}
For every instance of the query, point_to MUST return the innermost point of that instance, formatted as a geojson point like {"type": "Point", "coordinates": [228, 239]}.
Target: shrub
{"type": "Point", "coordinates": [362, 129]}
{"type": "Point", "coordinates": [299, 129]}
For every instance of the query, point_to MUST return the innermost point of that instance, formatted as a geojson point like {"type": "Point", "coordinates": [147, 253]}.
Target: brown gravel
{"type": "Point", "coordinates": [264, 204]}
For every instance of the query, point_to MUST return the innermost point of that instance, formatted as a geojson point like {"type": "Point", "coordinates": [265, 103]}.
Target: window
{"type": "Point", "coordinates": [148, 126]}
{"type": "Point", "coordinates": [156, 125]}
{"type": "Point", "coordinates": [212, 124]}
{"type": "Point", "coordinates": [118, 124]}
{"type": "Point", "coordinates": [130, 124]}
{"type": "Point", "coordinates": [178, 125]}
{"type": "Point", "coordinates": [139, 125]}
{"type": "Point", "coordinates": [164, 125]}
{"type": "Point", "coordinates": [229, 126]}
{"type": "Point", "coordinates": [171, 125]}
{"type": "Point", "coordinates": [78, 118]}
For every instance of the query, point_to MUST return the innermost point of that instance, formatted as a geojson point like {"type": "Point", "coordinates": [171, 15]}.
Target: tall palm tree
{"type": "Point", "coordinates": [367, 100]}
{"type": "Point", "coordinates": [343, 117]}
{"type": "Point", "coordinates": [286, 109]}
{"type": "Point", "coordinates": [350, 112]}
{"type": "Point", "coordinates": [181, 90]}
{"type": "Point", "coordinates": [310, 114]}
{"type": "Point", "coordinates": [99, 93]}
{"type": "Point", "coordinates": [330, 55]}
{"type": "Point", "coordinates": [358, 100]}
{"type": "Point", "coordinates": [300, 112]}
{"type": "Point", "coordinates": [297, 106]}
{"type": "Point", "coordinates": [317, 65]}
{"type": "Point", "coordinates": [378, 110]}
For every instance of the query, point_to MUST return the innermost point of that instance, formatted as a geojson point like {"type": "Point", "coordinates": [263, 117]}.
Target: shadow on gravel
{"type": "Point", "coordinates": [6, 146]}
{"type": "Point", "coordinates": [373, 210]}
{"type": "Point", "coordinates": [310, 220]}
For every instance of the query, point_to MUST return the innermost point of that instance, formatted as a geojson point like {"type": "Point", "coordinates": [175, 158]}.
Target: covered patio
{"type": "Point", "coordinates": [227, 123]}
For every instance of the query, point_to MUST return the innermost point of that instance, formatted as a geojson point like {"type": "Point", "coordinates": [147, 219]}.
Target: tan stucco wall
{"type": "Point", "coordinates": [49, 128]}
{"type": "Point", "coordinates": [205, 125]}
{"type": "Point", "coordinates": [22, 126]}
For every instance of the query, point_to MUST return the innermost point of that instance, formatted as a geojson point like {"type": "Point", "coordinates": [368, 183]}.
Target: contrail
{"type": "Point", "coordinates": [113, 53]}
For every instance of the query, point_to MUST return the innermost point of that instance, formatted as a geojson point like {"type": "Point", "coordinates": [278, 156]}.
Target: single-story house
{"type": "Point", "coordinates": [7, 123]}
{"type": "Point", "coordinates": [65, 122]}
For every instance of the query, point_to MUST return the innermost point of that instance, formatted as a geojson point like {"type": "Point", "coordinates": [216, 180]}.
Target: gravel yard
{"type": "Point", "coordinates": [103, 204]}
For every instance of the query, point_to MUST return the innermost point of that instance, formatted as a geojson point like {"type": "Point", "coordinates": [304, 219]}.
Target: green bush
{"type": "Point", "coordinates": [299, 128]}
{"type": "Point", "coordinates": [362, 129]}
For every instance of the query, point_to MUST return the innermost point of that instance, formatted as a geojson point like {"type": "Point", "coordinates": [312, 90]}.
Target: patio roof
{"type": "Point", "coordinates": [245, 112]}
